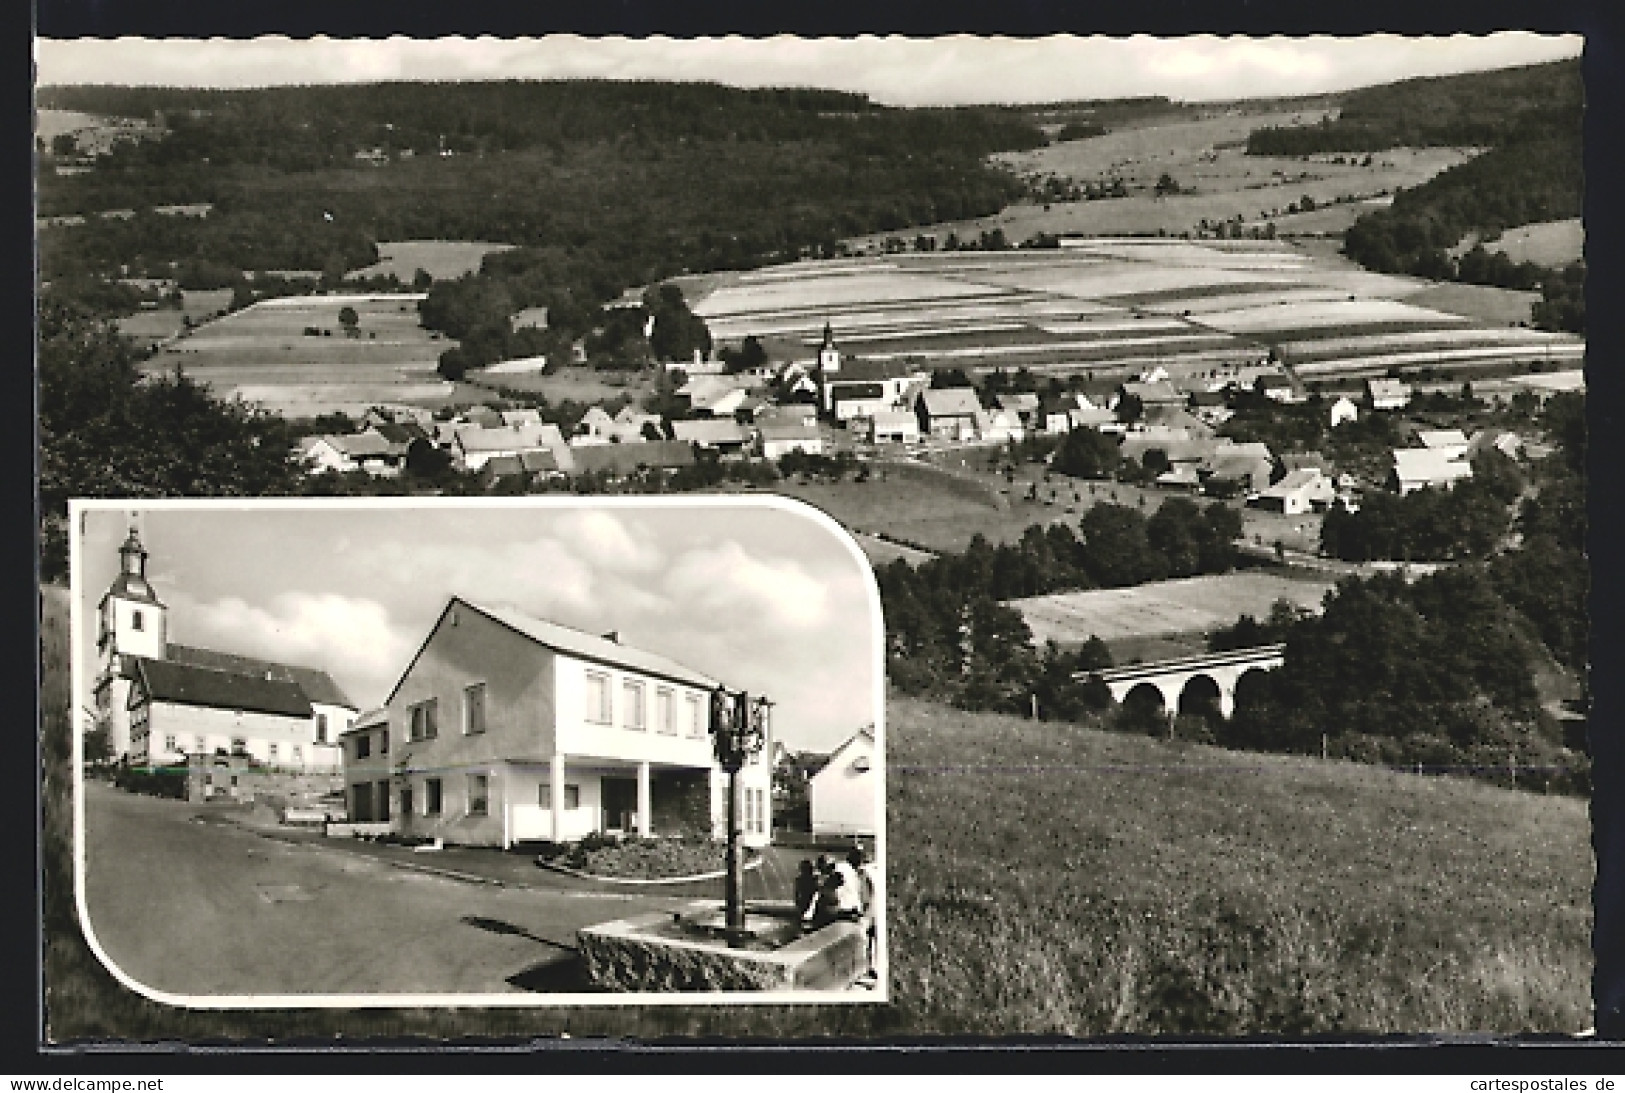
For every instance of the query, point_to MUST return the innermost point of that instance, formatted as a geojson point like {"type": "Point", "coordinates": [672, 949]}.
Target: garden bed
{"type": "Point", "coordinates": [639, 860]}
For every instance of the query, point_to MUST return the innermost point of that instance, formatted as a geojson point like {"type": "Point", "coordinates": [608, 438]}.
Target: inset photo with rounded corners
{"type": "Point", "coordinates": [479, 752]}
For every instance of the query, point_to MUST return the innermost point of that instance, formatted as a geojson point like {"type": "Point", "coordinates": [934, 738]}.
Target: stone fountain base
{"type": "Point", "coordinates": [687, 951]}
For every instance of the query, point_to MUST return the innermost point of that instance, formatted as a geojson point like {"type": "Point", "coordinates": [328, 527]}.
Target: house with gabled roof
{"type": "Point", "coordinates": [843, 793]}
{"type": "Point", "coordinates": [504, 728]}
{"type": "Point", "coordinates": [948, 413]}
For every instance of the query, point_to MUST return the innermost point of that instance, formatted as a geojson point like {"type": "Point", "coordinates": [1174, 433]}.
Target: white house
{"type": "Point", "coordinates": [1299, 492]}
{"type": "Point", "coordinates": [505, 728]}
{"type": "Point", "coordinates": [780, 440]}
{"type": "Point", "coordinates": [844, 792]}
{"type": "Point", "coordinates": [1416, 468]}
{"type": "Point", "coordinates": [1343, 410]}
{"type": "Point", "coordinates": [1387, 394]}
{"type": "Point", "coordinates": [949, 413]}
{"type": "Point", "coordinates": [889, 427]}
{"type": "Point", "coordinates": [474, 445]}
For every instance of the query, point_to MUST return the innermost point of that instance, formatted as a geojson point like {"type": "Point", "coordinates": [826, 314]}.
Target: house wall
{"type": "Point", "coordinates": [777, 449]}
{"type": "Point", "coordinates": [466, 647]}
{"type": "Point", "coordinates": [217, 728]}
{"type": "Point", "coordinates": [843, 797]}
{"type": "Point", "coordinates": [688, 746]}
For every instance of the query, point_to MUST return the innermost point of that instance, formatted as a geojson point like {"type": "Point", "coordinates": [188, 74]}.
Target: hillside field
{"type": "Point", "coordinates": [265, 354]}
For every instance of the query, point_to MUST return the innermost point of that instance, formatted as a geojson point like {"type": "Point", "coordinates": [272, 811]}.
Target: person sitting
{"type": "Point", "coordinates": [806, 889]}
{"type": "Point", "coordinates": [837, 902]}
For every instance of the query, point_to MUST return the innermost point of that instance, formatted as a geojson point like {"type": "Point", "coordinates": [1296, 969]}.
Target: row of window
{"type": "Point", "coordinates": [634, 709]}
{"type": "Point", "coordinates": [239, 746]}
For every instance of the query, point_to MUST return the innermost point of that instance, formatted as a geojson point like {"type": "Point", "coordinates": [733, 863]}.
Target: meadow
{"type": "Point", "coordinates": [442, 259]}
{"type": "Point", "coordinates": [1554, 243]}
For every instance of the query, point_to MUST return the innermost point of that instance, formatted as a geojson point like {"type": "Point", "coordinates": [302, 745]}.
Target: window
{"type": "Point", "coordinates": [406, 800]}
{"type": "Point", "coordinates": [239, 745]}
{"type": "Point", "coordinates": [597, 698]}
{"type": "Point", "coordinates": [425, 720]}
{"type": "Point", "coordinates": [665, 712]}
{"type": "Point", "coordinates": [321, 728]}
{"type": "Point", "coordinates": [202, 745]}
{"type": "Point", "coordinates": [696, 719]}
{"type": "Point", "coordinates": [169, 744]}
{"type": "Point", "coordinates": [474, 708]}
{"type": "Point", "coordinates": [632, 696]}
{"type": "Point", "coordinates": [137, 622]}
{"type": "Point", "coordinates": [544, 796]}
{"type": "Point", "coordinates": [479, 795]}
{"type": "Point", "coordinates": [572, 797]}
{"type": "Point", "coordinates": [271, 751]}
{"type": "Point", "coordinates": [383, 741]}
{"type": "Point", "coordinates": [363, 745]}
{"type": "Point", "coordinates": [431, 797]}
{"type": "Point", "coordinates": [298, 754]}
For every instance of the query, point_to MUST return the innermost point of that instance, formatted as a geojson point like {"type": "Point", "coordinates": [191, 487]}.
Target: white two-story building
{"type": "Point", "coordinates": [505, 728]}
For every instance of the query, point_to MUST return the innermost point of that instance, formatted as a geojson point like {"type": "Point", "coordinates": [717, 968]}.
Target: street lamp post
{"type": "Point", "coordinates": [739, 728]}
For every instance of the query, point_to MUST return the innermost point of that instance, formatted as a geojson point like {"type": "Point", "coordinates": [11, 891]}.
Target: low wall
{"type": "Point", "coordinates": [624, 956]}
{"type": "Point", "coordinates": [351, 831]}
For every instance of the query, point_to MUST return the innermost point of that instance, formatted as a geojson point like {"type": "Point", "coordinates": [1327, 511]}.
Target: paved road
{"type": "Point", "coordinates": [191, 907]}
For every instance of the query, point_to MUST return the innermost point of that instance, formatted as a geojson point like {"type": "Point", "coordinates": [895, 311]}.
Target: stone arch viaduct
{"type": "Point", "coordinates": [1170, 678]}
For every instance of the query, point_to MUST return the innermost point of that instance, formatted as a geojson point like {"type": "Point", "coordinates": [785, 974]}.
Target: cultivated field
{"type": "Point", "coordinates": [1218, 182]}
{"type": "Point", "coordinates": [264, 354]}
{"type": "Point", "coordinates": [1190, 605]}
{"type": "Point", "coordinates": [1111, 307]}
{"type": "Point", "coordinates": [442, 259]}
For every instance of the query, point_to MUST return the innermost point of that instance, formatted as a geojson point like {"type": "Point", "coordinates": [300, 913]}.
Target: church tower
{"type": "Point", "coordinates": [829, 363]}
{"type": "Point", "coordinates": [131, 622]}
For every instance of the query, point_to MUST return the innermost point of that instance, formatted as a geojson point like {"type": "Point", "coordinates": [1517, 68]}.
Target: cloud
{"type": "Point", "coordinates": [607, 541]}
{"type": "Point", "coordinates": [353, 639]}
{"type": "Point", "coordinates": [729, 582]}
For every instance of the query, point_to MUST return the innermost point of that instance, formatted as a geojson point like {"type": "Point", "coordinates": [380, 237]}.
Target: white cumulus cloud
{"type": "Point", "coordinates": [352, 639]}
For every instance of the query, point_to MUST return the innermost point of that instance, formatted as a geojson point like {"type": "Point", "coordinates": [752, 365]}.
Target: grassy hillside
{"type": "Point", "coordinates": [1482, 108]}
{"type": "Point", "coordinates": [1054, 879]}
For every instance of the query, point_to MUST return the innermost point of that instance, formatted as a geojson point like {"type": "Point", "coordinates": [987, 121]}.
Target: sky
{"type": "Point", "coordinates": [763, 597]}
{"type": "Point", "coordinates": [892, 70]}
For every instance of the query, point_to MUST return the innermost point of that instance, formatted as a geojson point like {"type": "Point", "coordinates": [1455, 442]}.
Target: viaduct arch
{"type": "Point", "coordinates": [1171, 678]}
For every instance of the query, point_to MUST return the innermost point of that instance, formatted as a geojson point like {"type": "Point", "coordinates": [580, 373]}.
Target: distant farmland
{"type": "Point", "coordinates": [264, 354]}
{"type": "Point", "coordinates": [1190, 605]}
{"type": "Point", "coordinates": [1112, 307]}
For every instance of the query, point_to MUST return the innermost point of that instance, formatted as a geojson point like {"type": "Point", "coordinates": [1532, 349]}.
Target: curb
{"type": "Point", "coordinates": [656, 881]}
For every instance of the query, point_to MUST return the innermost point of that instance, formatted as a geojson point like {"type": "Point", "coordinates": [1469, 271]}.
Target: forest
{"type": "Point", "coordinates": [1529, 123]}
{"type": "Point", "coordinates": [601, 184]}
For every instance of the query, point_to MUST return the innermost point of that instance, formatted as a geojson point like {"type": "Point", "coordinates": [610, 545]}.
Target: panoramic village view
{"type": "Point", "coordinates": [1219, 463]}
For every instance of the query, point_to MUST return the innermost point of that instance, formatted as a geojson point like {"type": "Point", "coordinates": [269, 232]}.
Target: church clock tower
{"type": "Point", "coordinates": [829, 364]}
{"type": "Point", "coordinates": [131, 622]}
